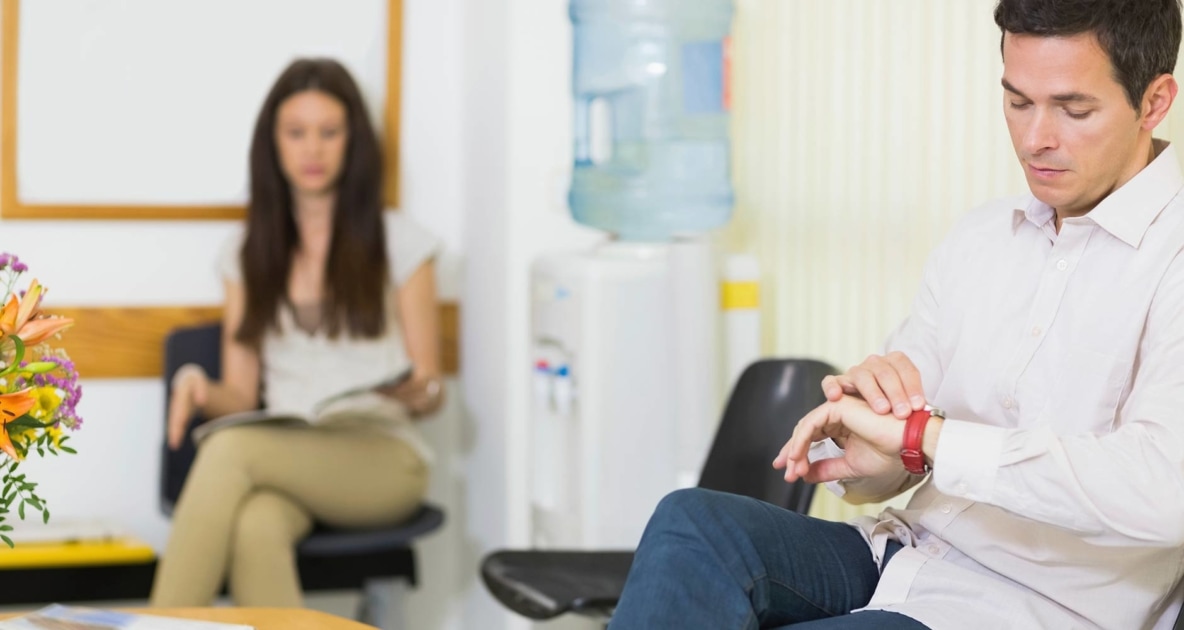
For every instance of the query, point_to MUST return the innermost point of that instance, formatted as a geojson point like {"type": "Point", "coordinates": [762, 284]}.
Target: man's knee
{"type": "Point", "coordinates": [693, 504]}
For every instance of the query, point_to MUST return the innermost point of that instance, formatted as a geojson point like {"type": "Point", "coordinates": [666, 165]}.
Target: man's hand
{"type": "Point", "coordinates": [871, 443]}
{"type": "Point", "coordinates": [890, 384]}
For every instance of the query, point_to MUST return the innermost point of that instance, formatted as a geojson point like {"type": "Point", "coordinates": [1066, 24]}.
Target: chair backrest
{"type": "Point", "coordinates": [762, 411]}
{"type": "Point", "coordinates": [201, 345]}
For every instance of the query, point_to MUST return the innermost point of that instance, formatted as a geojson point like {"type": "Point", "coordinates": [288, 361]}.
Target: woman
{"type": "Point", "coordinates": [321, 297]}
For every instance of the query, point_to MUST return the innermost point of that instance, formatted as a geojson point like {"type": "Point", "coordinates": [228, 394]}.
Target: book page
{"type": "Point", "coordinates": [58, 617]}
{"type": "Point", "coordinates": [360, 402]}
{"type": "Point", "coordinates": [361, 392]}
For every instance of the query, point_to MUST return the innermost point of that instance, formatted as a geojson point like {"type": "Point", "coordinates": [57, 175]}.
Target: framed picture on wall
{"type": "Point", "coordinates": [141, 109]}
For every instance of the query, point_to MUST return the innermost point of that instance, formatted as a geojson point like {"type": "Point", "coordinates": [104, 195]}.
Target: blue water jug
{"type": "Point", "coordinates": [651, 88]}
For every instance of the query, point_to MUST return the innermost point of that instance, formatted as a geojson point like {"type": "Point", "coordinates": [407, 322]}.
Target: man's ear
{"type": "Point", "coordinates": [1157, 100]}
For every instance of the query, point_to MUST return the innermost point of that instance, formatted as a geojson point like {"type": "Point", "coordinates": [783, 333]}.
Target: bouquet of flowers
{"type": "Point", "coordinates": [38, 389]}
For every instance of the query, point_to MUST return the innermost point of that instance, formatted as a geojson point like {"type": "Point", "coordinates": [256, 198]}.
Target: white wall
{"type": "Point", "coordinates": [101, 122]}
{"type": "Point", "coordinates": [518, 150]}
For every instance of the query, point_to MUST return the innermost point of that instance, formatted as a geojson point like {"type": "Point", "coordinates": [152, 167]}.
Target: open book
{"type": "Point", "coordinates": [58, 617]}
{"type": "Point", "coordinates": [353, 404]}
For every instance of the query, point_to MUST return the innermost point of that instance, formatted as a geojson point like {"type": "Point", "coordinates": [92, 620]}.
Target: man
{"type": "Point", "coordinates": [1050, 330]}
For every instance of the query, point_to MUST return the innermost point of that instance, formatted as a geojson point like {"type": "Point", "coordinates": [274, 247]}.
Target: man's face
{"type": "Point", "coordinates": [1074, 131]}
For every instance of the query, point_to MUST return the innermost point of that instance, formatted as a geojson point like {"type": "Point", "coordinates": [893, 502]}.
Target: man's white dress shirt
{"type": "Point", "coordinates": [1057, 493]}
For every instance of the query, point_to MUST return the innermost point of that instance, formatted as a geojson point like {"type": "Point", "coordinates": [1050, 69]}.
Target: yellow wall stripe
{"type": "Point", "coordinates": [734, 295]}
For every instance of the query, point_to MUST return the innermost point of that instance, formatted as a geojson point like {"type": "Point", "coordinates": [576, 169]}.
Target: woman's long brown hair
{"type": "Point", "coordinates": [356, 276]}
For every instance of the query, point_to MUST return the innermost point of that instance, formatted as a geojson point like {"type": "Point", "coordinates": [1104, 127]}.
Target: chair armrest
{"type": "Point", "coordinates": [546, 584]}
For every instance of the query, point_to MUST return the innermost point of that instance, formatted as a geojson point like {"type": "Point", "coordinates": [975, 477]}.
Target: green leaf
{"type": "Point", "coordinates": [41, 451]}
{"type": "Point", "coordinates": [44, 516]}
{"type": "Point", "coordinates": [5, 528]}
{"type": "Point", "coordinates": [16, 360]}
{"type": "Point", "coordinates": [21, 511]}
{"type": "Point", "coordinates": [69, 450]}
{"type": "Point", "coordinates": [27, 421]}
{"type": "Point", "coordinates": [7, 541]}
{"type": "Point", "coordinates": [35, 503]}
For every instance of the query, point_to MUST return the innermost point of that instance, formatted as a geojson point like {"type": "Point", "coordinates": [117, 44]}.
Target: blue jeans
{"type": "Point", "coordinates": [725, 562]}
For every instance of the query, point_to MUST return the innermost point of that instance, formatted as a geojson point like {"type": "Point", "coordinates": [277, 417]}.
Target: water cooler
{"type": "Point", "coordinates": [626, 381]}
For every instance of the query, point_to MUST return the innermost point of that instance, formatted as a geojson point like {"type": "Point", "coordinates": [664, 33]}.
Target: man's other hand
{"type": "Point", "coordinates": [889, 384]}
{"type": "Point", "coordinates": [871, 443]}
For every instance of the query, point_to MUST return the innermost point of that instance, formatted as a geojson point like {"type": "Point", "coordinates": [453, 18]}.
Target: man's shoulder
{"type": "Point", "coordinates": [997, 213]}
{"type": "Point", "coordinates": [999, 210]}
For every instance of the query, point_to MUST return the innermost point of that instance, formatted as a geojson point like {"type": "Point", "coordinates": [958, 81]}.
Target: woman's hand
{"type": "Point", "coordinates": [422, 394]}
{"type": "Point", "coordinates": [191, 390]}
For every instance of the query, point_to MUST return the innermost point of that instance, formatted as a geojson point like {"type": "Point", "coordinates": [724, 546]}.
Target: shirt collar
{"type": "Point", "coordinates": [1128, 212]}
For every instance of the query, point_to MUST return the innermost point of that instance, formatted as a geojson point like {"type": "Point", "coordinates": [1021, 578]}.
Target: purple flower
{"type": "Point", "coordinates": [66, 413]}
{"type": "Point", "coordinates": [11, 260]}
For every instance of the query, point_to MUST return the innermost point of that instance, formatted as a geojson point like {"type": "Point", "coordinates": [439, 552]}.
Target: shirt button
{"type": "Point", "coordinates": [933, 549]}
{"type": "Point", "coordinates": [945, 508]}
{"type": "Point", "coordinates": [1007, 402]}
{"type": "Point", "coordinates": [1036, 330]}
{"type": "Point", "coordinates": [1062, 264]}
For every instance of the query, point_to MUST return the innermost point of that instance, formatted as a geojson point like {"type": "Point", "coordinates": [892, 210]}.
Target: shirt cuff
{"type": "Point", "coordinates": [827, 449]}
{"type": "Point", "coordinates": [967, 459]}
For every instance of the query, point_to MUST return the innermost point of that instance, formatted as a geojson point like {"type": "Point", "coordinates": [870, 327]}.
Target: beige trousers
{"type": "Point", "coordinates": [255, 491]}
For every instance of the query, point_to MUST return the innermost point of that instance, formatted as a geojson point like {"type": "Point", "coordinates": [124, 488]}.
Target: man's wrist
{"type": "Point", "coordinates": [929, 439]}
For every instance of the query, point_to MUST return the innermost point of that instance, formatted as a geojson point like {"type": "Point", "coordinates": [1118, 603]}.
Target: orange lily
{"type": "Point", "coordinates": [20, 317]}
{"type": "Point", "coordinates": [38, 330]}
{"type": "Point", "coordinates": [13, 406]}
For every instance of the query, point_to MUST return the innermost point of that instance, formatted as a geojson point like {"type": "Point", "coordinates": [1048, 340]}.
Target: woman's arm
{"type": "Point", "coordinates": [423, 393]}
{"type": "Point", "coordinates": [239, 388]}
{"type": "Point", "coordinates": [193, 390]}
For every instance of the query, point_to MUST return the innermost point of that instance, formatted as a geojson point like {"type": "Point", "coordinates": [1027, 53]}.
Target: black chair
{"type": "Point", "coordinates": [378, 561]}
{"type": "Point", "coordinates": [765, 405]}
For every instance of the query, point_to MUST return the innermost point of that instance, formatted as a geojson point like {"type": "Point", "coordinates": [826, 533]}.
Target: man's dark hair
{"type": "Point", "coordinates": [1141, 37]}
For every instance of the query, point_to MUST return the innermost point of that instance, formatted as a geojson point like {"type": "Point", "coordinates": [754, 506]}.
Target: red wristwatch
{"type": "Point", "coordinates": [914, 431]}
